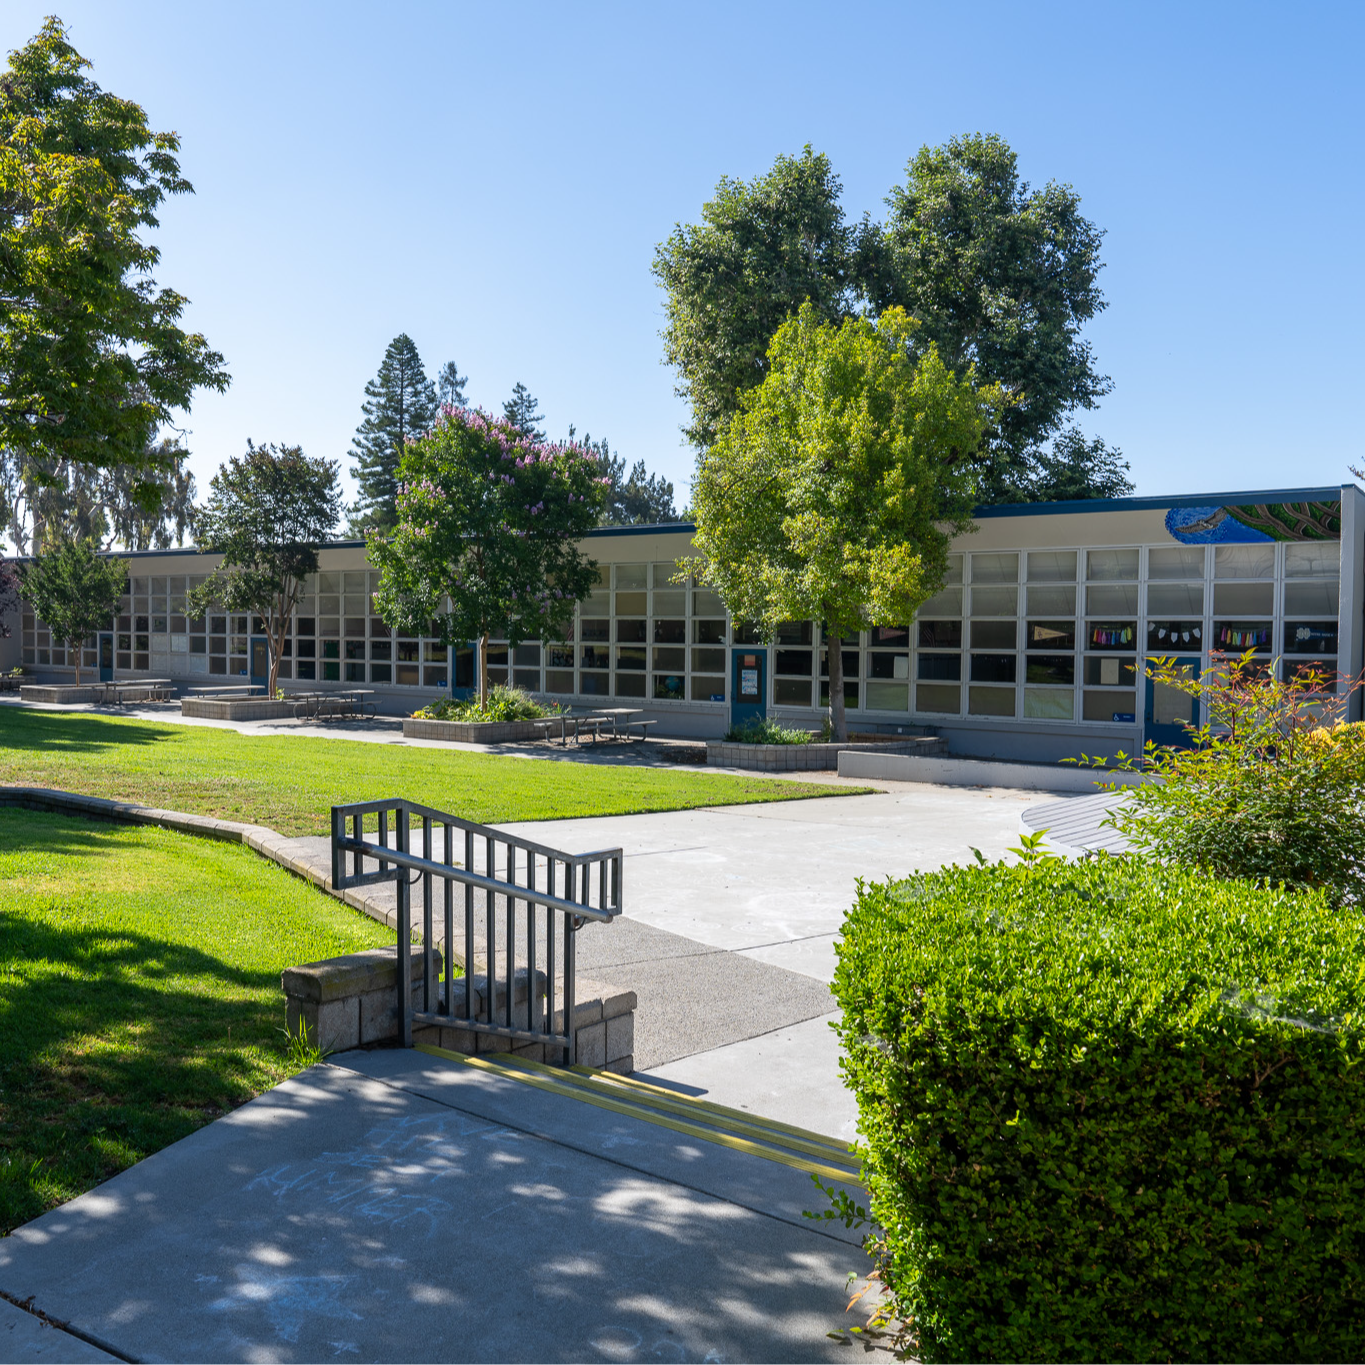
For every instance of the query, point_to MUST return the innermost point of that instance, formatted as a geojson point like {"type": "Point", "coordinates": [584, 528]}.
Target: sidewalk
{"type": "Point", "coordinates": [393, 1206]}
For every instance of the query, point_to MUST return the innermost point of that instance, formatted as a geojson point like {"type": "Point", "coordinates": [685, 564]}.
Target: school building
{"type": "Point", "coordinates": [1034, 648]}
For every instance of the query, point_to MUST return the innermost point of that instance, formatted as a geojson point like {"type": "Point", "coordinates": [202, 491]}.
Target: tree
{"type": "Point", "coordinates": [1001, 277]}
{"type": "Point", "coordinates": [523, 412]}
{"type": "Point", "coordinates": [450, 386]}
{"type": "Point", "coordinates": [268, 513]}
{"type": "Point", "coordinates": [833, 495]}
{"type": "Point", "coordinates": [92, 359]}
{"type": "Point", "coordinates": [1076, 469]}
{"type": "Point", "coordinates": [642, 499]}
{"type": "Point", "coordinates": [75, 589]}
{"type": "Point", "coordinates": [762, 249]}
{"type": "Point", "coordinates": [400, 405]}
{"type": "Point", "coordinates": [42, 498]}
{"type": "Point", "coordinates": [9, 596]}
{"type": "Point", "coordinates": [998, 275]}
{"type": "Point", "coordinates": [486, 544]}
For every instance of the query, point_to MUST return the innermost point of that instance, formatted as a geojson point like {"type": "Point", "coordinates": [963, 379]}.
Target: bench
{"type": "Point", "coordinates": [643, 726]}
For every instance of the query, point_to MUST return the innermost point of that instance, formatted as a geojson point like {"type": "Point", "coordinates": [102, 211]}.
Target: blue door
{"type": "Point", "coordinates": [1168, 710]}
{"type": "Point", "coordinates": [106, 658]}
{"type": "Point", "coordinates": [260, 662]}
{"type": "Point", "coordinates": [748, 685]}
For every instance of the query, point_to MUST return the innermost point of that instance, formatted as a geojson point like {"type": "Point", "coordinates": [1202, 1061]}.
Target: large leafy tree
{"type": "Point", "coordinates": [762, 249]}
{"type": "Point", "coordinates": [75, 589]}
{"type": "Point", "coordinates": [1000, 276]}
{"type": "Point", "coordinates": [486, 544]}
{"type": "Point", "coordinates": [92, 357]}
{"type": "Point", "coordinates": [43, 498]}
{"type": "Point", "coordinates": [833, 495]}
{"type": "Point", "coordinates": [400, 404]}
{"type": "Point", "coordinates": [269, 511]}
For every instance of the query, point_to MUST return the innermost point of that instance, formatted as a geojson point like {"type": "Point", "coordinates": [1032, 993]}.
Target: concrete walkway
{"type": "Point", "coordinates": [1079, 826]}
{"type": "Point", "coordinates": [393, 1206]}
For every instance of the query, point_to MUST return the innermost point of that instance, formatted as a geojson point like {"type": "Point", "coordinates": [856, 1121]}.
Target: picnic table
{"type": "Point", "coordinates": [333, 705]}
{"type": "Point", "coordinates": [157, 689]}
{"type": "Point", "coordinates": [623, 715]}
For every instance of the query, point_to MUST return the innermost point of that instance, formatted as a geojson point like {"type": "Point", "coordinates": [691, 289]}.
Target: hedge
{"type": "Point", "coordinates": [1110, 1112]}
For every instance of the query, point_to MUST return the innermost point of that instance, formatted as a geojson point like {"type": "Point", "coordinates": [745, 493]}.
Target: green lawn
{"type": "Point", "coordinates": [290, 783]}
{"type": "Point", "coordinates": [140, 993]}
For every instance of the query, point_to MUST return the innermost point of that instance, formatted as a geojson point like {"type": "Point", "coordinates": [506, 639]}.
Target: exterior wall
{"type": "Point", "coordinates": [1034, 648]}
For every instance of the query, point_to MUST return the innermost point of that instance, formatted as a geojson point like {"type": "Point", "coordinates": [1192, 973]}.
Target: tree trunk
{"type": "Point", "coordinates": [77, 653]}
{"type": "Point", "coordinates": [483, 672]}
{"type": "Point", "coordinates": [834, 651]}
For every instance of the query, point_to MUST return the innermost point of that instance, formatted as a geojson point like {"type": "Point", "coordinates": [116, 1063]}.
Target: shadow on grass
{"type": "Point", "coordinates": [68, 732]}
{"type": "Point", "coordinates": [114, 1044]}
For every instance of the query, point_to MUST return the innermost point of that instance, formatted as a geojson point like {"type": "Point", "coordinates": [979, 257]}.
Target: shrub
{"type": "Point", "coordinates": [1110, 1111]}
{"type": "Point", "coordinates": [761, 730]}
{"type": "Point", "coordinates": [504, 704]}
{"type": "Point", "coordinates": [1268, 790]}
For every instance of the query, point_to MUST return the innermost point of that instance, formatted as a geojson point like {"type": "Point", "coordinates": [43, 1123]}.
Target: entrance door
{"type": "Point", "coordinates": [1167, 707]}
{"type": "Point", "coordinates": [748, 685]}
{"type": "Point", "coordinates": [260, 662]}
{"type": "Point", "coordinates": [106, 658]}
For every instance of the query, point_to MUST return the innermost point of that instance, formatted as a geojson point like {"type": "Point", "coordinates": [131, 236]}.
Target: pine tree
{"type": "Point", "coordinates": [450, 386]}
{"type": "Point", "coordinates": [401, 404]}
{"type": "Point", "coordinates": [643, 499]}
{"type": "Point", "coordinates": [524, 413]}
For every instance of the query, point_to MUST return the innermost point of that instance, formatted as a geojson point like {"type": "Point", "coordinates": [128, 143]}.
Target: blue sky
{"type": "Point", "coordinates": [493, 180]}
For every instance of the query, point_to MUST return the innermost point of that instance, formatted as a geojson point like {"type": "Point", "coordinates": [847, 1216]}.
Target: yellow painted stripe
{"type": "Point", "coordinates": [715, 1114]}
{"type": "Point", "coordinates": [635, 1111]}
{"type": "Point", "coordinates": [743, 1115]}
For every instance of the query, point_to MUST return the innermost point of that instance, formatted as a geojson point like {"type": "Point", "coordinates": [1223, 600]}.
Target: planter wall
{"type": "Point", "coordinates": [721, 753]}
{"type": "Point", "coordinates": [57, 693]}
{"type": "Point", "coordinates": [475, 731]}
{"type": "Point", "coordinates": [245, 708]}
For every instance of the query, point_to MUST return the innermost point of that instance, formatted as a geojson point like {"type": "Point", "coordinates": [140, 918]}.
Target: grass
{"type": "Point", "coordinates": [141, 993]}
{"type": "Point", "coordinates": [290, 783]}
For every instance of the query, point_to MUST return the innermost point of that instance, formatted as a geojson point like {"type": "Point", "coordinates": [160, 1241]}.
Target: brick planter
{"type": "Point", "coordinates": [351, 1001]}
{"type": "Point", "coordinates": [59, 693]}
{"type": "Point", "coordinates": [244, 708]}
{"type": "Point", "coordinates": [475, 731]}
{"type": "Point", "coordinates": [721, 753]}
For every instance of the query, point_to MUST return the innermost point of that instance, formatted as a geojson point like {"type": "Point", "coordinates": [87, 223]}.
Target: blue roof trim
{"type": "Point", "coordinates": [662, 528]}
{"type": "Point", "coordinates": [1053, 509]}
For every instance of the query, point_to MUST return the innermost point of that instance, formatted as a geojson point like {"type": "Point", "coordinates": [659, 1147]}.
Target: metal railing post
{"type": "Point", "coordinates": [404, 936]}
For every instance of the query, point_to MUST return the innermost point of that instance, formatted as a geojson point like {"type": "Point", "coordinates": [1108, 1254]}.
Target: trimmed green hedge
{"type": "Point", "coordinates": [1111, 1112]}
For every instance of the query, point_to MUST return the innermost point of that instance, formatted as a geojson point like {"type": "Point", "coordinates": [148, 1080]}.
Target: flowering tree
{"type": "Point", "coordinates": [486, 543]}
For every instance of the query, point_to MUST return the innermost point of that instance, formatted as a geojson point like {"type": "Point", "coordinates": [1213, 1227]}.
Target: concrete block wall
{"type": "Point", "coordinates": [350, 1001]}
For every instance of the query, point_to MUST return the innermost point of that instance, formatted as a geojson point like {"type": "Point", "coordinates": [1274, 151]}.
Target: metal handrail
{"type": "Point", "coordinates": [574, 903]}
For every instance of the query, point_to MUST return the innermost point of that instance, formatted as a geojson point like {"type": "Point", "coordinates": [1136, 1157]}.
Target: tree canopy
{"type": "Point", "coordinates": [269, 511]}
{"type": "Point", "coordinates": [400, 404]}
{"type": "Point", "coordinates": [762, 249]}
{"type": "Point", "coordinates": [92, 357]}
{"type": "Point", "coordinates": [44, 497]}
{"type": "Point", "coordinates": [998, 276]}
{"type": "Point", "coordinates": [486, 544]}
{"type": "Point", "coordinates": [635, 499]}
{"type": "Point", "coordinates": [450, 386]}
{"type": "Point", "coordinates": [74, 589]}
{"type": "Point", "coordinates": [523, 412]}
{"type": "Point", "coordinates": [834, 493]}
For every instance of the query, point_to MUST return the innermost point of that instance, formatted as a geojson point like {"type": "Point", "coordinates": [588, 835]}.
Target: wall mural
{"type": "Point", "coordinates": [1250, 523]}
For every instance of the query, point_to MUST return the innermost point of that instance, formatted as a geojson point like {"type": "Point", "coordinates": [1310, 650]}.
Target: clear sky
{"type": "Point", "coordinates": [493, 179]}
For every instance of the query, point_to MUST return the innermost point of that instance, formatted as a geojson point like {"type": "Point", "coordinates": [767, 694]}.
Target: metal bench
{"type": "Point", "coordinates": [641, 725]}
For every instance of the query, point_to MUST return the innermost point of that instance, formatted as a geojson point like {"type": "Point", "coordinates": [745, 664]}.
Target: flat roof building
{"type": "Point", "coordinates": [1034, 648]}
